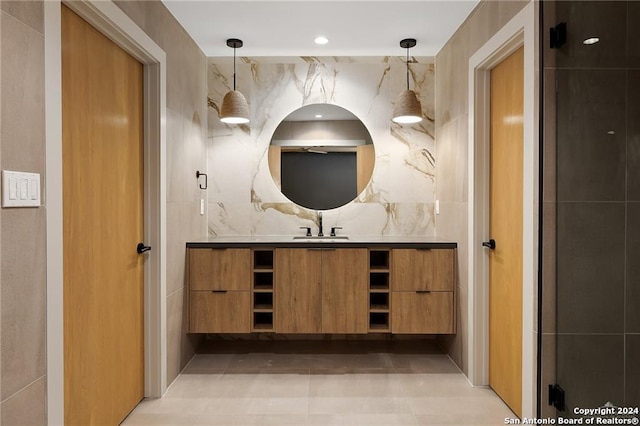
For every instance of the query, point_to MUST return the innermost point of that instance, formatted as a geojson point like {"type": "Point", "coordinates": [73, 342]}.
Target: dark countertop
{"type": "Point", "coordinates": [422, 242]}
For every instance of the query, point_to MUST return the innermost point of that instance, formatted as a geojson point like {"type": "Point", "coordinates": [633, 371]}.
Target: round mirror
{"type": "Point", "coordinates": [321, 156]}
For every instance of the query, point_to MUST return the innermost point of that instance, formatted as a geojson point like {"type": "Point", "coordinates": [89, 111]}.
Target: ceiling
{"type": "Point", "coordinates": [288, 28]}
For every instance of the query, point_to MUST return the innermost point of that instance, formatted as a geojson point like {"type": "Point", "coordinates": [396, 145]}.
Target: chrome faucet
{"type": "Point", "coordinates": [320, 234]}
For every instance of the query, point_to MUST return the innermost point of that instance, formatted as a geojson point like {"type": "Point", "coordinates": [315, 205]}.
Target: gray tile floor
{"type": "Point", "coordinates": [321, 383]}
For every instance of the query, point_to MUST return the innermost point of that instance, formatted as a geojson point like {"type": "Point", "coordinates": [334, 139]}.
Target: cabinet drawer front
{"type": "Point", "coordinates": [422, 313]}
{"type": "Point", "coordinates": [220, 312]}
{"type": "Point", "coordinates": [212, 269]}
{"type": "Point", "coordinates": [413, 269]}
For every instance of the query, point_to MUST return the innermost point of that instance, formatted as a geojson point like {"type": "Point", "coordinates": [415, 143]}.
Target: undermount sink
{"type": "Point", "coordinates": [324, 238]}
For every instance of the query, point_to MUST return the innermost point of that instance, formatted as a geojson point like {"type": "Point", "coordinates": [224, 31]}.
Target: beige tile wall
{"type": "Point", "coordinates": [22, 231]}
{"type": "Point", "coordinates": [451, 143]}
{"type": "Point", "coordinates": [186, 153]}
{"type": "Point", "coordinates": [22, 298]}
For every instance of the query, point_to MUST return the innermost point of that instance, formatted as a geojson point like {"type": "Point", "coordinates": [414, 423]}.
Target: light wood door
{"type": "Point", "coordinates": [418, 270]}
{"type": "Point", "coordinates": [298, 292]}
{"type": "Point", "coordinates": [102, 108]}
{"type": "Point", "coordinates": [505, 262]}
{"type": "Point", "coordinates": [220, 269]}
{"type": "Point", "coordinates": [345, 304]}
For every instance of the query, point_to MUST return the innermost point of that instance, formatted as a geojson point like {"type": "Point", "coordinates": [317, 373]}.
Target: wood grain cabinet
{"type": "Point", "coordinates": [298, 294]}
{"type": "Point", "coordinates": [345, 308]}
{"type": "Point", "coordinates": [422, 269]}
{"type": "Point", "coordinates": [321, 290]}
{"type": "Point", "coordinates": [219, 290]}
{"type": "Point", "coordinates": [422, 296]}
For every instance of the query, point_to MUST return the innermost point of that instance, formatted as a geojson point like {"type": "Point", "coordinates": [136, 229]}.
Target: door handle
{"type": "Point", "coordinates": [491, 244]}
{"type": "Point", "coordinates": [141, 248]}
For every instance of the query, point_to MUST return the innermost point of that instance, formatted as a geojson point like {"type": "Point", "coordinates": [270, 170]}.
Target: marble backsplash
{"type": "Point", "coordinates": [242, 197]}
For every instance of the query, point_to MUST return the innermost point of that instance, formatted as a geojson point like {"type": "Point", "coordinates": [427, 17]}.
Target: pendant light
{"type": "Point", "coordinates": [234, 108]}
{"type": "Point", "coordinates": [407, 109]}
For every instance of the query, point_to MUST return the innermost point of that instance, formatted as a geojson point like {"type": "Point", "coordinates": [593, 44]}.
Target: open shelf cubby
{"type": "Point", "coordinates": [262, 301]}
{"type": "Point", "coordinates": [378, 302]}
{"type": "Point", "coordinates": [379, 290]}
{"type": "Point", "coordinates": [263, 259]}
{"type": "Point", "coordinates": [379, 322]}
{"type": "Point", "coordinates": [263, 321]}
{"type": "Point", "coordinates": [262, 289]}
{"type": "Point", "coordinates": [379, 259]}
{"type": "Point", "coordinates": [263, 280]}
{"type": "Point", "coordinates": [379, 281]}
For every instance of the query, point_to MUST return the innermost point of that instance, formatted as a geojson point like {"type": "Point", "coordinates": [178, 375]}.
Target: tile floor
{"type": "Point", "coordinates": [321, 383]}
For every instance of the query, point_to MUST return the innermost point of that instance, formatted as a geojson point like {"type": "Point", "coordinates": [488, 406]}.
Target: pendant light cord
{"type": "Point", "coordinates": [234, 68]}
{"type": "Point", "coordinates": [407, 68]}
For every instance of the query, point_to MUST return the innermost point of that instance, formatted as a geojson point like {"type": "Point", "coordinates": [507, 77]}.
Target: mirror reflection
{"type": "Point", "coordinates": [321, 156]}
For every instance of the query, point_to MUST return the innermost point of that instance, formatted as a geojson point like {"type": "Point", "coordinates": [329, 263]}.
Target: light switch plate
{"type": "Point", "coordinates": [20, 189]}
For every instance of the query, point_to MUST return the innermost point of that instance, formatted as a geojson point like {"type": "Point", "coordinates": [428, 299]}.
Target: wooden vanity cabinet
{"type": "Point", "coordinates": [345, 290]}
{"type": "Point", "coordinates": [219, 290]}
{"type": "Point", "coordinates": [298, 294]}
{"type": "Point", "coordinates": [332, 290]}
{"type": "Point", "coordinates": [422, 269]}
{"type": "Point", "coordinates": [220, 269]}
{"type": "Point", "coordinates": [422, 296]}
{"type": "Point", "coordinates": [422, 312]}
{"type": "Point", "coordinates": [220, 311]}
{"type": "Point", "coordinates": [321, 290]}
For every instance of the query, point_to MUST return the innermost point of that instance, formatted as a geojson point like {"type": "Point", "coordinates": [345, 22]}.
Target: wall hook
{"type": "Point", "coordinates": [206, 179]}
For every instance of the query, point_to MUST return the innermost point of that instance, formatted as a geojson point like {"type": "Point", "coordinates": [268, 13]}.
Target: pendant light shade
{"type": "Point", "coordinates": [234, 108]}
{"type": "Point", "coordinates": [407, 108]}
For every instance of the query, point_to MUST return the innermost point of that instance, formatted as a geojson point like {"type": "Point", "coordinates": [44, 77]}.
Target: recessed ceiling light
{"type": "Point", "coordinates": [318, 115]}
{"type": "Point", "coordinates": [321, 40]}
{"type": "Point", "coordinates": [591, 40]}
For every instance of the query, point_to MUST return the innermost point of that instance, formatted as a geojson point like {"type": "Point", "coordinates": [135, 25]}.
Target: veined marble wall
{"type": "Point", "coordinates": [242, 197]}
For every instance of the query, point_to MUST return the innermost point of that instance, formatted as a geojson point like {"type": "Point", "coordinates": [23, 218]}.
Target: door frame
{"type": "Point", "coordinates": [519, 31]}
{"type": "Point", "coordinates": [116, 25]}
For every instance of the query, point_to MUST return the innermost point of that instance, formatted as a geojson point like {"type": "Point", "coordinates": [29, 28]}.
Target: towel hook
{"type": "Point", "coordinates": [206, 179]}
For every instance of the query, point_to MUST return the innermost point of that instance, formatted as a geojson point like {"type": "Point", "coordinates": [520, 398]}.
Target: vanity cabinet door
{"type": "Point", "coordinates": [418, 270]}
{"type": "Point", "coordinates": [298, 291]}
{"type": "Point", "coordinates": [220, 311]}
{"type": "Point", "coordinates": [422, 312]}
{"type": "Point", "coordinates": [220, 269]}
{"type": "Point", "coordinates": [345, 291]}
{"type": "Point", "coordinates": [422, 291]}
{"type": "Point", "coordinates": [219, 290]}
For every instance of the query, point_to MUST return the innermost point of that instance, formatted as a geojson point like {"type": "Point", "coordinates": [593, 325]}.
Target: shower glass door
{"type": "Point", "coordinates": [591, 259]}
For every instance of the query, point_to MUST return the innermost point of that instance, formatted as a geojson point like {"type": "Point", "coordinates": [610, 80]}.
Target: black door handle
{"type": "Point", "coordinates": [491, 244]}
{"type": "Point", "coordinates": [141, 248]}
